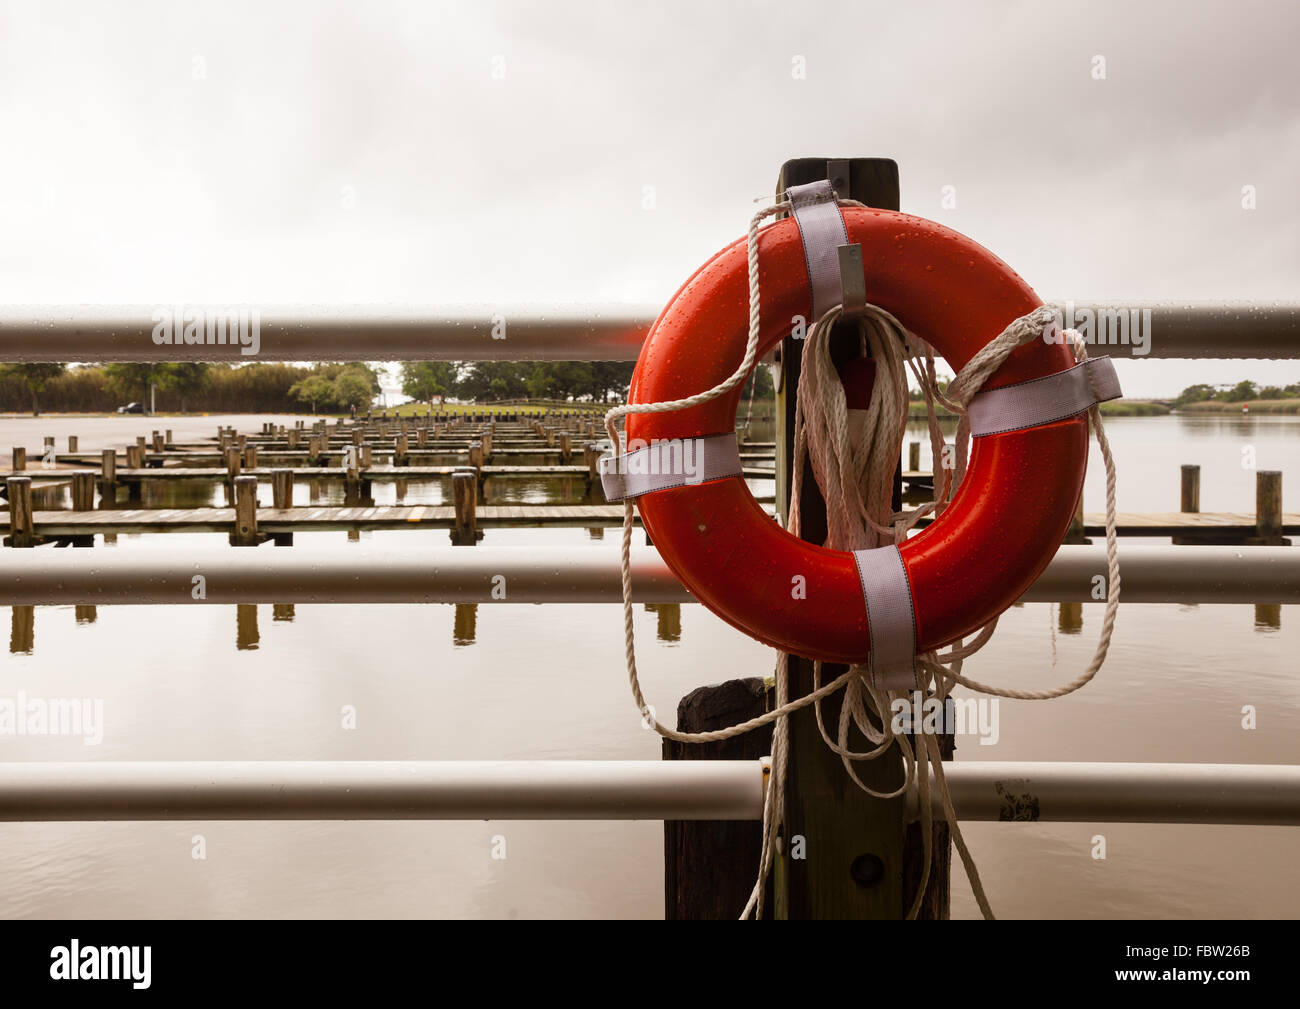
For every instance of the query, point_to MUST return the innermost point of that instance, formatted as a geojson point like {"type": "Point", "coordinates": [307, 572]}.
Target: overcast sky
{"type": "Point", "coordinates": [415, 152]}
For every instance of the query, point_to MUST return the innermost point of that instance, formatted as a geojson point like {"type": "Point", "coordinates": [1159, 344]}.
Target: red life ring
{"type": "Point", "coordinates": [1005, 521]}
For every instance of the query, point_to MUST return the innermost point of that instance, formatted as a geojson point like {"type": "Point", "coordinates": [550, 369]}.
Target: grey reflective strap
{"type": "Point", "coordinates": [680, 462]}
{"type": "Point", "coordinates": [1043, 400]}
{"type": "Point", "coordinates": [891, 618]}
{"type": "Point", "coordinates": [821, 227]}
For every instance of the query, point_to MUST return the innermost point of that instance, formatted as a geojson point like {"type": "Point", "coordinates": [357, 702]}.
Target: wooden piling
{"type": "Point", "coordinates": [710, 866]}
{"type": "Point", "coordinates": [108, 475]}
{"type": "Point", "coordinates": [1268, 509]}
{"type": "Point", "coordinates": [914, 456]}
{"type": "Point", "coordinates": [464, 486]}
{"type": "Point", "coordinates": [282, 497]}
{"type": "Point", "coordinates": [83, 491]}
{"type": "Point", "coordinates": [1190, 491]}
{"type": "Point", "coordinates": [282, 488]}
{"type": "Point", "coordinates": [245, 532]}
{"type": "Point", "coordinates": [22, 532]}
{"type": "Point", "coordinates": [844, 854]}
{"type": "Point", "coordinates": [20, 459]}
{"type": "Point", "coordinates": [250, 457]}
{"type": "Point", "coordinates": [72, 443]}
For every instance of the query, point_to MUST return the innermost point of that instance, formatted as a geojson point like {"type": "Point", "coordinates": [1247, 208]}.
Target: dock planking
{"type": "Point", "coordinates": [281, 520]}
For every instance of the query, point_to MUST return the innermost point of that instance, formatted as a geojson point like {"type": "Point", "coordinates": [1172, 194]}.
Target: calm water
{"type": "Point", "coordinates": [497, 682]}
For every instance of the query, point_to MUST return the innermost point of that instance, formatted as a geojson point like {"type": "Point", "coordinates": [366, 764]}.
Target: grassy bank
{"type": "Point", "coordinates": [1289, 406]}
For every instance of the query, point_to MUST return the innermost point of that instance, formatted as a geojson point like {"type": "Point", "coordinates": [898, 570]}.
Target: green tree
{"type": "Point", "coordinates": [1195, 394]}
{"type": "Point", "coordinates": [351, 388]}
{"type": "Point", "coordinates": [35, 377]}
{"type": "Point", "coordinates": [187, 378]}
{"type": "Point", "coordinates": [423, 380]}
{"type": "Point", "coordinates": [1240, 392]}
{"type": "Point", "coordinates": [314, 389]}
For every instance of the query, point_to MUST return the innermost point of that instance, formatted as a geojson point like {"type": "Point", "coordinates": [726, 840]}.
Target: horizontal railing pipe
{"type": "Point", "coordinates": [383, 790]}
{"type": "Point", "coordinates": [1095, 792]}
{"type": "Point", "coordinates": [143, 333]}
{"type": "Point", "coordinates": [617, 790]}
{"type": "Point", "coordinates": [553, 574]}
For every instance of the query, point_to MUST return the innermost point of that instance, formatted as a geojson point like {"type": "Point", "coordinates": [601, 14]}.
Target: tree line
{"type": "Point", "coordinates": [180, 387]}
{"type": "Point", "coordinates": [273, 387]}
{"type": "Point", "coordinates": [1239, 393]}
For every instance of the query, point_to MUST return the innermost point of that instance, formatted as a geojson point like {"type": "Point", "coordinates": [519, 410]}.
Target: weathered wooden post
{"type": "Point", "coordinates": [710, 866]}
{"type": "Point", "coordinates": [476, 455]}
{"type": "Point", "coordinates": [566, 448]}
{"type": "Point", "coordinates": [281, 498]}
{"type": "Point", "coordinates": [464, 487]}
{"type": "Point", "coordinates": [1268, 509]}
{"type": "Point", "coordinates": [83, 491]}
{"type": "Point", "coordinates": [167, 438]}
{"type": "Point", "coordinates": [108, 476]}
{"type": "Point", "coordinates": [72, 443]}
{"type": "Point", "coordinates": [1190, 491]}
{"type": "Point", "coordinates": [401, 454]}
{"type": "Point", "coordinates": [158, 444]}
{"type": "Point", "coordinates": [844, 854]}
{"type": "Point", "coordinates": [914, 457]}
{"type": "Point", "coordinates": [20, 459]}
{"type": "Point", "coordinates": [245, 532]}
{"type": "Point", "coordinates": [22, 530]}
{"type": "Point", "coordinates": [250, 457]}
{"type": "Point", "coordinates": [292, 436]}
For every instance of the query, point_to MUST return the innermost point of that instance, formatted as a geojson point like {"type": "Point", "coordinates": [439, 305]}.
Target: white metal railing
{"type": "Point", "coordinates": [547, 574]}
{"type": "Point", "coordinates": [1260, 329]}
{"type": "Point", "coordinates": [617, 790]}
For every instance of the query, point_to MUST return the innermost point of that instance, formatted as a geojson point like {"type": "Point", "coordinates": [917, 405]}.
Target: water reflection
{"type": "Point", "coordinates": [464, 625]}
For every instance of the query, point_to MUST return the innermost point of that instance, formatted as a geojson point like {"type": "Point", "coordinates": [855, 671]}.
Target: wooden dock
{"type": "Point", "coordinates": [287, 520]}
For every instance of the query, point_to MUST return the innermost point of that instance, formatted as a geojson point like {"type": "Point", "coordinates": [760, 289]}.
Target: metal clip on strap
{"type": "Point", "coordinates": [1043, 400]}
{"type": "Point", "coordinates": [834, 266]}
{"type": "Point", "coordinates": [891, 618]}
{"type": "Point", "coordinates": [680, 462]}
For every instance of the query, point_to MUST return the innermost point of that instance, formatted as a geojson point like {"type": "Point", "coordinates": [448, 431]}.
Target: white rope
{"type": "Point", "coordinates": [855, 476]}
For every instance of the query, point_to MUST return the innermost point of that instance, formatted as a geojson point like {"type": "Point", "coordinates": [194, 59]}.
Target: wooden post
{"type": "Point", "coordinates": [476, 455]}
{"type": "Point", "coordinates": [167, 438]}
{"type": "Point", "coordinates": [315, 449]}
{"type": "Point", "coordinates": [20, 459]}
{"type": "Point", "coordinates": [710, 866]}
{"type": "Point", "coordinates": [364, 456]}
{"type": "Point", "coordinates": [282, 497]}
{"type": "Point", "coordinates": [72, 443]}
{"type": "Point", "coordinates": [22, 531]}
{"type": "Point", "coordinates": [401, 454]}
{"type": "Point", "coordinates": [914, 457]}
{"type": "Point", "coordinates": [250, 457]}
{"type": "Point", "coordinates": [859, 857]}
{"type": "Point", "coordinates": [292, 435]}
{"type": "Point", "coordinates": [1268, 508]}
{"type": "Point", "coordinates": [464, 486]}
{"type": "Point", "coordinates": [566, 448]}
{"type": "Point", "coordinates": [232, 463]}
{"type": "Point", "coordinates": [108, 475]}
{"type": "Point", "coordinates": [1191, 489]}
{"type": "Point", "coordinates": [83, 491]}
{"type": "Point", "coordinates": [157, 440]}
{"type": "Point", "coordinates": [282, 488]}
{"type": "Point", "coordinates": [245, 533]}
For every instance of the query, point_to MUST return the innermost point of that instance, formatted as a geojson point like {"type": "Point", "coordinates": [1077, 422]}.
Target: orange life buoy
{"type": "Point", "coordinates": [1006, 520]}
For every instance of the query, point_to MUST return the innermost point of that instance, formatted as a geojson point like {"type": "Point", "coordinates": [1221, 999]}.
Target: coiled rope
{"type": "Point", "coordinates": [855, 477]}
